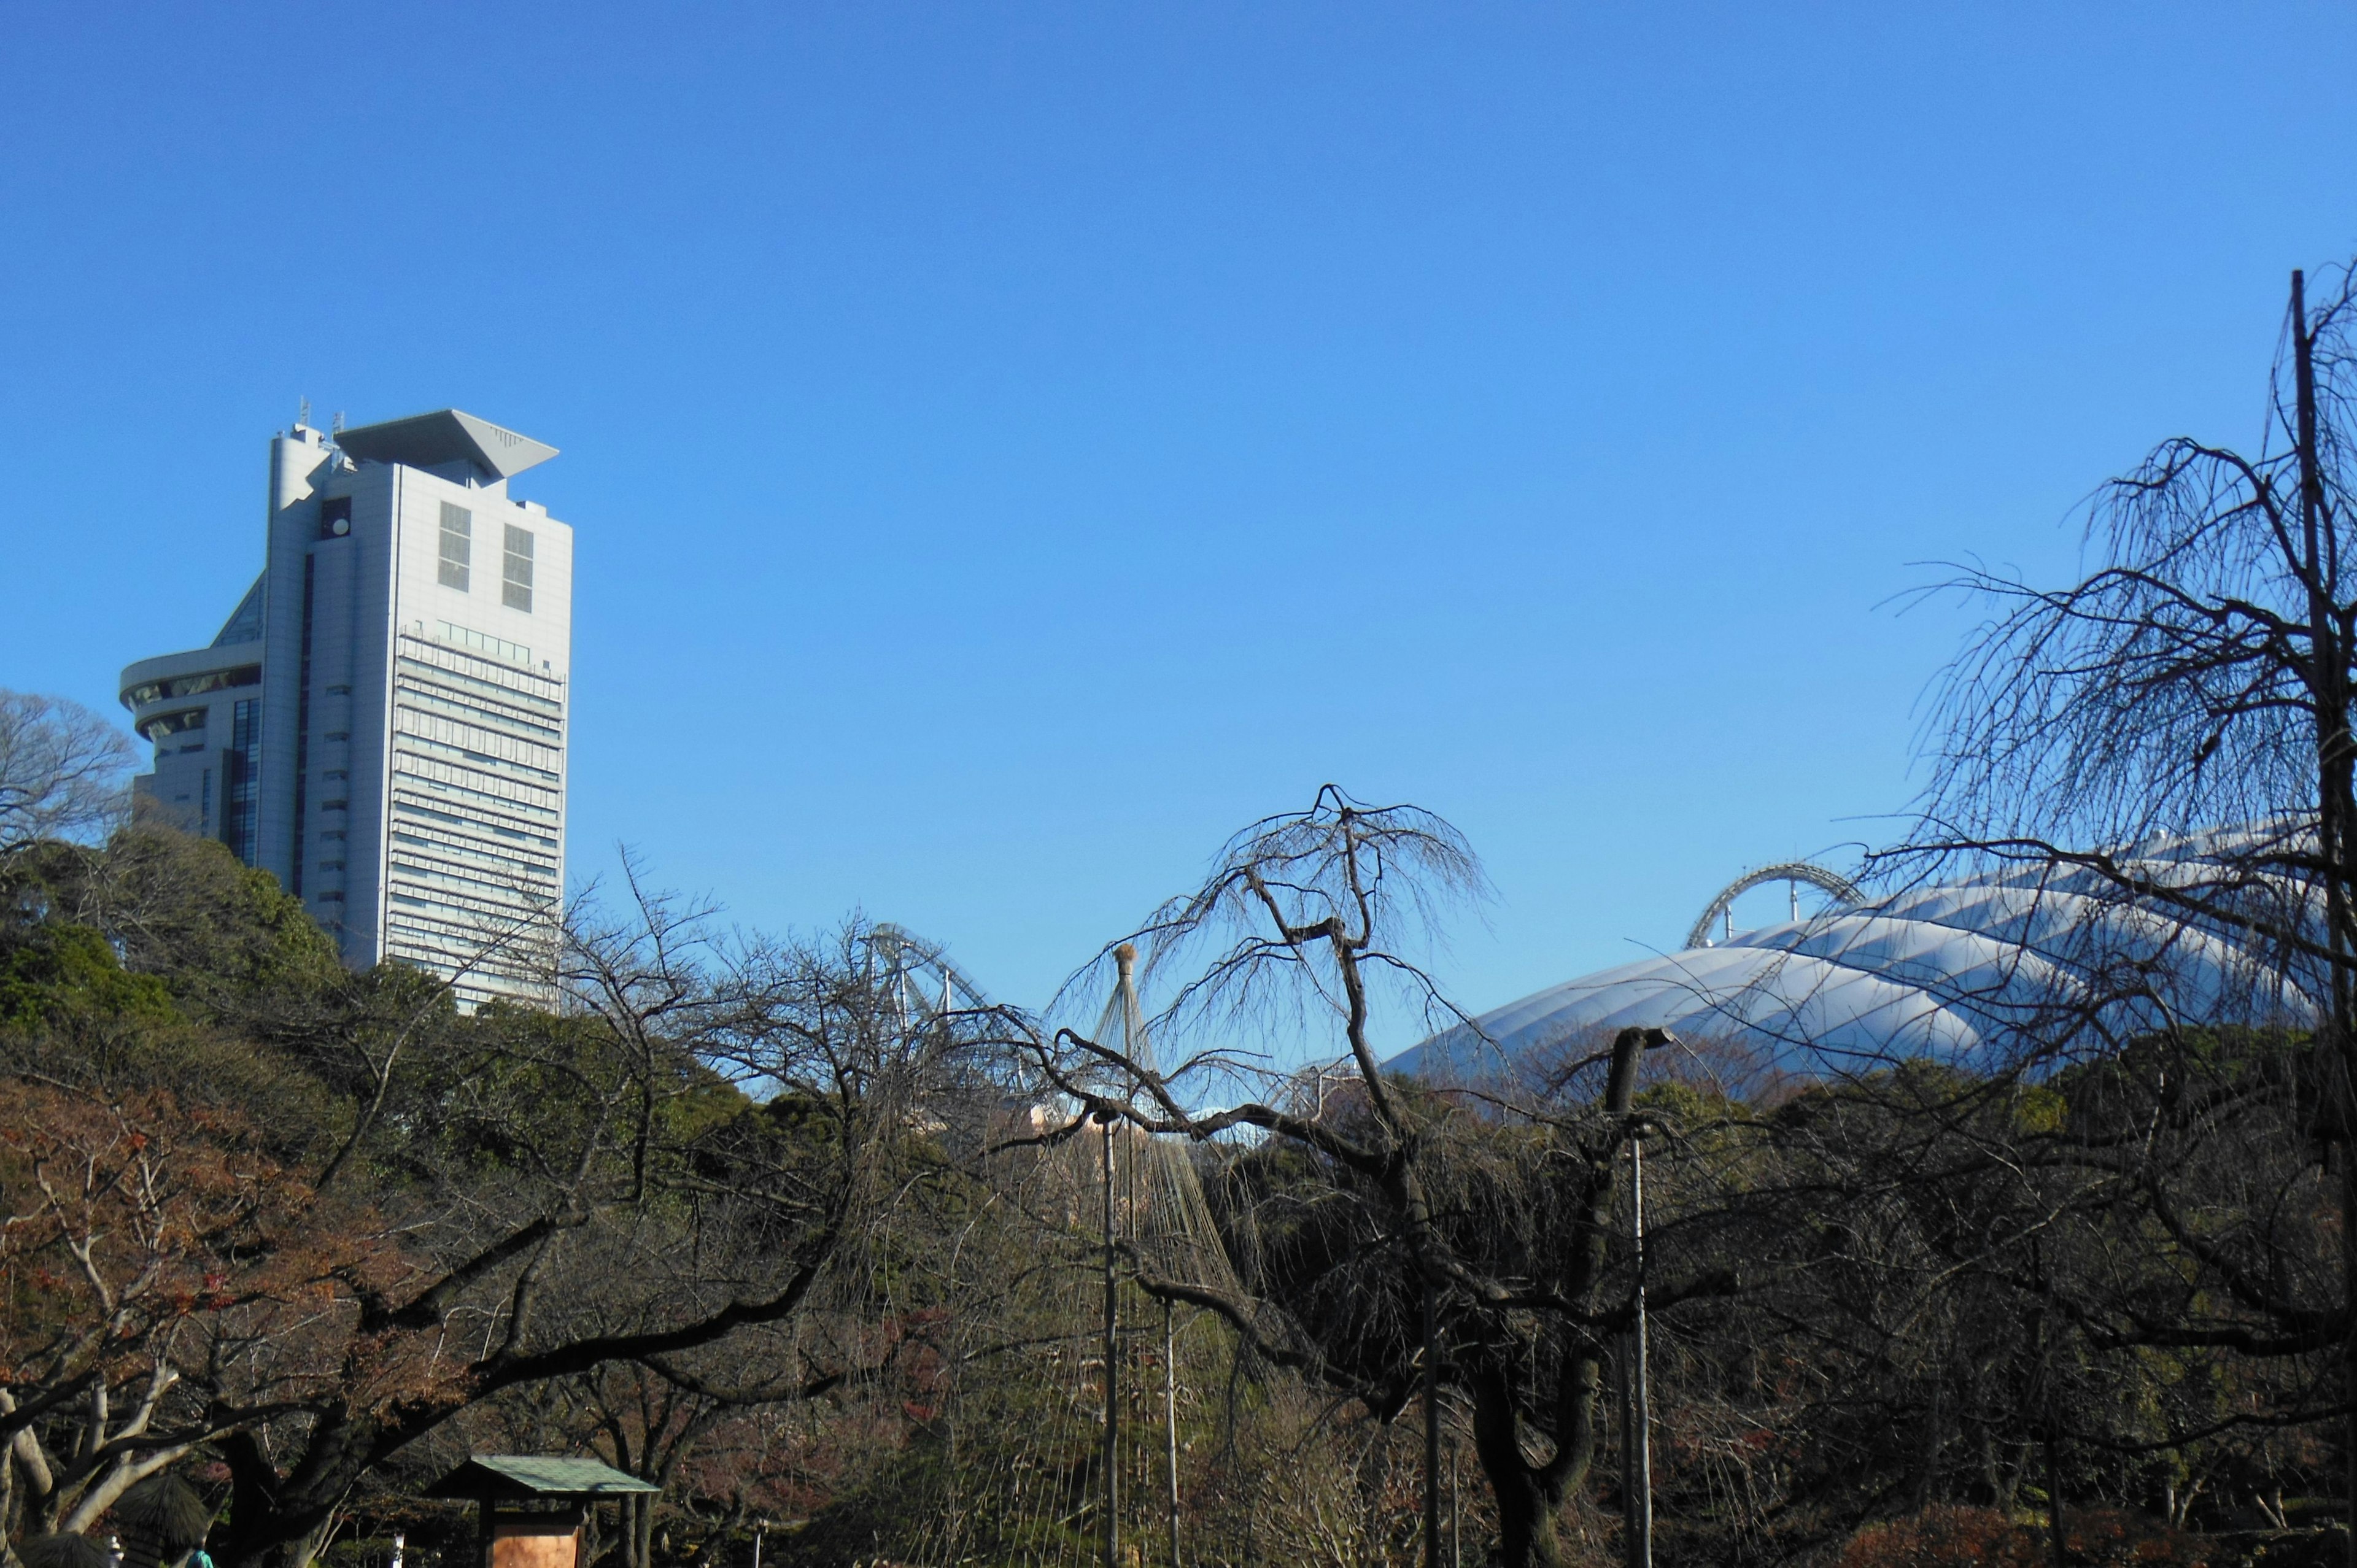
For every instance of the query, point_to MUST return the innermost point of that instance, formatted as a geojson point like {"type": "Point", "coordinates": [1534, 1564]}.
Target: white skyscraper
{"type": "Point", "coordinates": [382, 723]}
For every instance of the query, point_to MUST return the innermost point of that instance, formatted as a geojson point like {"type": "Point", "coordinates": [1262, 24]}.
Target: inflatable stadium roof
{"type": "Point", "coordinates": [1982, 967]}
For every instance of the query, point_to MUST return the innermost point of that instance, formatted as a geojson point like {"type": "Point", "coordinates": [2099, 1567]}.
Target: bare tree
{"type": "Point", "coordinates": [2173, 731]}
{"type": "Point", "coordinates": [520, 1198]}
{"type": "Point", "coordinates": [1303, 926]}
{"type": "Point", "coordinates": [61, 769]}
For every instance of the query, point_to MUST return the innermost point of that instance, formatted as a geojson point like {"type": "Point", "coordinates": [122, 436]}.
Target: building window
{"type": "Point", "coordinates": [484, 642]}
{"type": "Point", "coordinates": [240, 793]}
{"type": "Point", "coordinates": [192, 685]}
{"type": "Point", "coordinates": [515, 583]}
{"type": "Point", "coordinates": [162, 727]}
{"type": "Point", "coordinates": [458, 545]}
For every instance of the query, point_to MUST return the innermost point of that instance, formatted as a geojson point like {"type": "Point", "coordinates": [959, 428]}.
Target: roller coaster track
{"type": "Point", "coordinates": [1799, 872]}
{"type": "Point", "coordinates": [925, 983]}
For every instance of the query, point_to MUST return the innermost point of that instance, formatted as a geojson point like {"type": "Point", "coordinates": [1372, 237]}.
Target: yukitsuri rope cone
{"type": "Point", "coordinates": [62, 1551]}
{"type": "Point", "coordinates": [1024, 1479]}
{"type": "Point", "coordinates": [160, 1520]}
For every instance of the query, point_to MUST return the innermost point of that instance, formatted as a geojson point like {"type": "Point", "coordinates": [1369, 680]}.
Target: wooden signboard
{"type": "Point", "coordinates": [535, 1541]}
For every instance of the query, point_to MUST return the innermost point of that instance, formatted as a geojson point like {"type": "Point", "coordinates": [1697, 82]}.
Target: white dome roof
{"type": "Point", "coordinates": [1985, 965]}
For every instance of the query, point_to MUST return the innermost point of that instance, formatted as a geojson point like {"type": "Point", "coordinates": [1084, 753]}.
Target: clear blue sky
{"type": "Point", "coordinates": [1012, 447]}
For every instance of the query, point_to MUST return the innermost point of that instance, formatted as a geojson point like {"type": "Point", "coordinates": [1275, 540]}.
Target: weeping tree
{"type": "Point", "coordinates": [1400, 1245]}
{"type": "Point", "coordinates": [2173, 732]}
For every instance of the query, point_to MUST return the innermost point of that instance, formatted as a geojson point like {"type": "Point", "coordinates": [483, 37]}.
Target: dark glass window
{"type": "Point", "coordinates": [164, 726]}
{"type": "Point", "coordinates": [193, 685]}
{"type": "Point", "coordinates": [240, 789]}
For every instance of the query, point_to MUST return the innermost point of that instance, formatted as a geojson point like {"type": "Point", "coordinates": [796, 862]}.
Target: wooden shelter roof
{"type": "Point", "coordinates": [495, 1477]}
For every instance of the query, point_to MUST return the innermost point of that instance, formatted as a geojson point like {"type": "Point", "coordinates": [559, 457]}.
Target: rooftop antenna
{"type": "Point", "coordinates": [303, 412]}
{"type": "Point", "coordinates": [337, 428]}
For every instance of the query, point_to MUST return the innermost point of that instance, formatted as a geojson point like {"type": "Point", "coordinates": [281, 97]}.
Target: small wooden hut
{"type": "Point", "coordinates": [531, 1510]}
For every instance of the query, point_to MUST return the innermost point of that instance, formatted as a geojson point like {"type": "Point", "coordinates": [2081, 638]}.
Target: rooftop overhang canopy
{"type": "Point", "coordinates": [446, 435]}
{"type": "Point", "coordinates": [533, 1477]}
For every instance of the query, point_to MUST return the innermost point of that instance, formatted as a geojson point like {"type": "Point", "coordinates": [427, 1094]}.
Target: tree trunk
{"type": "Point", "coordinates": [275, 1523]}
{"type": "Point", "coordinates": [300, 1552]}
{"type": "Point", "coordinates": [127, 1473]}
{"type": "Point", "coordinates": [1529, 1496]}
{"type": "Point", "coordinates": [1526, 1514]}
{"type": "Point", "coordinates": [2327, 680]}
{"type": "Point", "coordinates": [2060, 1538]}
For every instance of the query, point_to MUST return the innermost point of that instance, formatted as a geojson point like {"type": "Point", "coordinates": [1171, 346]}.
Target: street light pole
{"type": "Point", "coordinates": [1431, 1428]}
{"type": "Point", "coordinates": [1638, 1484]}
{"type": "Point", "coordinates": [1111, 1370]}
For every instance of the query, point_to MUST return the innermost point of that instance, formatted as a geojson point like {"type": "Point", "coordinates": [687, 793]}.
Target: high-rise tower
{"type": "Point", "coordinates": [382, 722]}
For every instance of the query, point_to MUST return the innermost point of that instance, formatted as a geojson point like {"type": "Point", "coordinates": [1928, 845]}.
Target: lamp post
{"type": "Point", "coordinates": [1112, 1369]}
{"type": "Point", "coordinates": [1637, 1433]}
